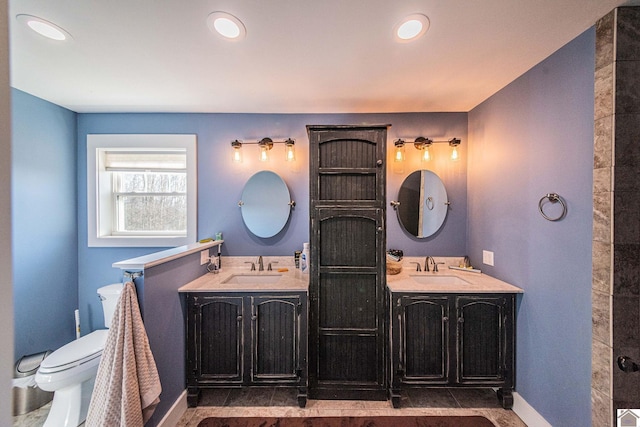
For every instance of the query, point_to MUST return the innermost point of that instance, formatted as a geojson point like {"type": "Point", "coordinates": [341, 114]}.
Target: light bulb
{"type": "Point", "coordinates": [426, 155]}
{"type": "Point", "coordinates": [237, 151]}
{"type": "Point", "coordinates": [264, 154]}
{"type": "Point", "coordinates": [290, 152]}
{"type": "Point", "coordinates": [454, 153]}
{"type": "Point", "coordinates": [398, 157]}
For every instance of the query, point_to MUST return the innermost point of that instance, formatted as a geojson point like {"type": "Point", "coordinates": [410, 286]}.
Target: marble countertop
{"type": "Point", "coordinates": [453, 281]}
{"type": "Point", "coordinates": [226, 280]}
{"type": "Point", "coordinates": [236, 276]}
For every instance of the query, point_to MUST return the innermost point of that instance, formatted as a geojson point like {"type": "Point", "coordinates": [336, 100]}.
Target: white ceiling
{"type": "Point", "coordinates": [299, 56]}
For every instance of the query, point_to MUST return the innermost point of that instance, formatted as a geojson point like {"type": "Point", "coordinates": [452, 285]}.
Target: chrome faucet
{"type": "Point", "coordinates": [260, 264]}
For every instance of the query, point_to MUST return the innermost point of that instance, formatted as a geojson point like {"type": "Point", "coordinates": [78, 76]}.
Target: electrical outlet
{"type": "Point", "coordinates": [204, 257]}
{"type": "Point", "coordinates": [487, 257]}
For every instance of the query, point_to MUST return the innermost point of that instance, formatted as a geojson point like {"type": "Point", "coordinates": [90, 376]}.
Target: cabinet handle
{"type": "Point", "coordinates": [254, 317]}
{"type": "Point", "coordinates": [445, 319]}
{"type": "Point", "coordinates": [460, 319]}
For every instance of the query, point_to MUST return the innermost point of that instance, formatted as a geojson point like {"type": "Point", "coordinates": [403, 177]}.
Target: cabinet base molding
{"type": "Point", "coordinates": [345, 393]}
{"type": "Point", "coordinates": [504, 395]}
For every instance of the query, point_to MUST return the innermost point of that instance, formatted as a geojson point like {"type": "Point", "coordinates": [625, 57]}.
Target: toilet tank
{"type": "Point", "coordinates": [109, 296]}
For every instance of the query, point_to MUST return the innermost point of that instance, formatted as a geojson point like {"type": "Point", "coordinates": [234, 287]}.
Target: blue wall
{"type": "Point", "coordinates": [220, 183]}
{"type": "Point", "coordinates": [165, 328]}
{"type": "Point", "coordinates": [44, 210]}
{"type": "Point", "coordinates": [535, 137]}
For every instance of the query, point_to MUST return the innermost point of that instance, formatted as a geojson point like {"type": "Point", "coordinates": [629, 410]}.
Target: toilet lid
{"type": "Point", "coordinates": [76, 352]}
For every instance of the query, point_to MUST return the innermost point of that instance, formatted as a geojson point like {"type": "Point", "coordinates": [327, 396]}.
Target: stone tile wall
{"type": "Point", "coordinates": [616, 214]}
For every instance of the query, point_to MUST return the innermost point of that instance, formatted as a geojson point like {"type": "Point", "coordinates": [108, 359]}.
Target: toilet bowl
{"type": "Point", "coordinates": [70, 371]}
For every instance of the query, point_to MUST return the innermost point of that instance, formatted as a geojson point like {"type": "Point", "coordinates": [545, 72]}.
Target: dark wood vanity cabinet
{"type": "Point", "coordinates": [452, 340]}
{"type": "Point", "coordinates": [242, 339]}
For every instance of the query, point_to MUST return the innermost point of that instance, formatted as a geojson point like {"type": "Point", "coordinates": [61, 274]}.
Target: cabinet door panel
{"type": "Point", "coordinates": [481, 338]}
{"type": "Point", "coordinates": [424, 338]}
{"type": "Point", "coordinates": [351, 358]}
{"type": "Point", "coordinates": [348, 301]}
{"type": "Point", "coordinates": [275, 333]}
{"type": "Point", "coordinates": [347, 186]}
{"type": "Point", "coordinates": [348, 238]}
{"type": "Point", "coordinates": [354, 151]}
{"type": "Point", "coordinates": [220, 344]}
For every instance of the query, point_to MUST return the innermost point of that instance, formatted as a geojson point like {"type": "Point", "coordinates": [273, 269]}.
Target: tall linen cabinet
{"type": "Point", "coordinates": [347, 297]}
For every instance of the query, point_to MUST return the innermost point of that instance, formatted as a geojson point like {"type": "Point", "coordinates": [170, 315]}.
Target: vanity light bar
{"type": "Point", "coordinates": [422, 144]}
{"type": "Point", "coordinates": [265, 145]}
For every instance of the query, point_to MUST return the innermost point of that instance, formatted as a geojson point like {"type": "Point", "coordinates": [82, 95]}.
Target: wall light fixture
{"type": "Point", "coordinates": [422, 144]}
{"type": "Point", "coordinates": [398, 156]}
{"type": "Point", "coordinates": [265, 145]}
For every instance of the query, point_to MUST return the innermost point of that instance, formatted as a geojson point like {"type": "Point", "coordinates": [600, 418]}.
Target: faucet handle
{"type": "Point", "coordinates": [417, 265]}
{"type": "Point", "coordinates": [435, 266]}
{"type": "Point", "coordinates": [269, 266]}
{"type": "Point", "coordinates": [253, 265]}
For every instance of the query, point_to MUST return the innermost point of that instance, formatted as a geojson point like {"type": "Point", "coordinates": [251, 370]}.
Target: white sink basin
{"type": "Point", "coordinates": [439, 280]}
{"type": "Point", "coordinates": [252, 279]}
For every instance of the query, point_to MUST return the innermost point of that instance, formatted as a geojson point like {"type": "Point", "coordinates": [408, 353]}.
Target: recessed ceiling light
{"type": "Point", "coordinates": [226, 26]}
{"type": "Point", "coordinates": [44, 27]}
{"type": "Point", "coordinates": [411, 27]}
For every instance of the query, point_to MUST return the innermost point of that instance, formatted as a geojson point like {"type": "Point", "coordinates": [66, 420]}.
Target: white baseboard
{"type": "Point", "coordinates": [177, 410]}
{"type": "Point", "coordinates": [527, 413]}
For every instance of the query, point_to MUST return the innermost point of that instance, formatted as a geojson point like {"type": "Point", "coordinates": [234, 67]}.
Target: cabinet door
{"type": "Point", "coordinates": [215, 339]}
{"type": "Point", "coordinates": [275, 338]}
{"type": "Point", "coordinates": [347, 314]}
{"type": "Point", "coordinates": [424, 343]}
{"type": "Point", "coordinates": [482, 339]}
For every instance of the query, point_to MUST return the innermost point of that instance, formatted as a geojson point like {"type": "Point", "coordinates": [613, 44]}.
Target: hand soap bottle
{"type": "Point", "coordinates": [304, 258]}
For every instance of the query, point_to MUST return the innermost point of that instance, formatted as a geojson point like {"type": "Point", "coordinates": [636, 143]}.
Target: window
{"type": "Point", "coordinates": [141, 190]}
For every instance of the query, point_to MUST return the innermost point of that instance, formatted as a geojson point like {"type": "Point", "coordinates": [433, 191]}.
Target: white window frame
{"type": "Point", "coordinates": [99, 201]}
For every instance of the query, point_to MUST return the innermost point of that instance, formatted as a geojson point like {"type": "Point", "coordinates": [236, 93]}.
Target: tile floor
{"type": "Point", "coordinates": [278, 402]}
{"type": "Point", "coordinates": [282, 402]}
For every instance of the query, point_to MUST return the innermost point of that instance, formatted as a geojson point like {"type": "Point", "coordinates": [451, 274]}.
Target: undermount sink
{"type": "Point", "coordinates": [439, 280]}
{"type": "Point", "coordinates": [246, 279]}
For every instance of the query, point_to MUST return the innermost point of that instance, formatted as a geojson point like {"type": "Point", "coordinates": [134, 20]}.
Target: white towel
{"type": "Point", "coordinates": [127, 387]}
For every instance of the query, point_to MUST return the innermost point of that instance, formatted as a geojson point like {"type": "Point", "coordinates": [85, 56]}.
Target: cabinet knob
{"type": "Point", "coordinates": [379, 162]}
{"type": "Point", "coordinates": [445, 319]}
{"type": "Point", "coordinates": [239, 318]}
{"type": "Point", "coordinates": [460, 319]}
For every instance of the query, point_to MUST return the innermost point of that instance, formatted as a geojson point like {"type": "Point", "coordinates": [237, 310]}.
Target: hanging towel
{"type": "Point", "coordinates": [127, 387]}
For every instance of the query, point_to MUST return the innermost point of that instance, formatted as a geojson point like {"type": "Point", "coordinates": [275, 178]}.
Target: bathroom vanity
{"type": "Point", "coordinates": [451, 329]}
{"type": "Point", "coordinates": [246, 328]}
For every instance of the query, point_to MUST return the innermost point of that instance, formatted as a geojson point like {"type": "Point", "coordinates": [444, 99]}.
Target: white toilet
{"type": "Point", "coordinates": [70, 371]}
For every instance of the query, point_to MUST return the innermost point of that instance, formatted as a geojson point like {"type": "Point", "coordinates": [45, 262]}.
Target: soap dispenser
{"type": "Point", "coordinates": [304, 258]}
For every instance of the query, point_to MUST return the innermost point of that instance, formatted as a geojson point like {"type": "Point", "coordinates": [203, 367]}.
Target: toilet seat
{"type": "Point", "coordinates": [72, 363]}
{"type": "Point", "coordinates": [75, 353]}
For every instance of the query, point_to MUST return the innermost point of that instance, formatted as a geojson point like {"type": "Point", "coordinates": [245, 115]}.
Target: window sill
{"type": "Point", "coordinates": [139, 241]}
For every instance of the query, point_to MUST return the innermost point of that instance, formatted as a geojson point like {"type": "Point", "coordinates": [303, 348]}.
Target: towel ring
{"type": "Point", "coordinates": [553, 198]}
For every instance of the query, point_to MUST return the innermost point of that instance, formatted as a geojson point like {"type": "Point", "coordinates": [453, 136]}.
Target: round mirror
{"type": "Point", "coordinates": [265, 204]}
{"type": "Point", "coordinates": [422, 203]}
